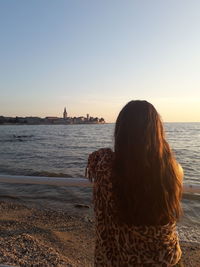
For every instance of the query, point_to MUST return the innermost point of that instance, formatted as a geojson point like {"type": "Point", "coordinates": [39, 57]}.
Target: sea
{"type": "Point", "coordinates": [62, 150]}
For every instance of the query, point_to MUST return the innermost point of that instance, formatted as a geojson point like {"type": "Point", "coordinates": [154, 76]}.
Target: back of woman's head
{"type": "Point", "coordinates": [146, 180]}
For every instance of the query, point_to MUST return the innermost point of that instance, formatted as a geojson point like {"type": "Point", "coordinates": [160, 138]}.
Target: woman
{"type": "Point", "coordinates": [137, 191]}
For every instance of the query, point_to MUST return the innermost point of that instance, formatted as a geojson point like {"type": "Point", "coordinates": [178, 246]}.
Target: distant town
{"type": "Point", "coordinates": [52, 120]}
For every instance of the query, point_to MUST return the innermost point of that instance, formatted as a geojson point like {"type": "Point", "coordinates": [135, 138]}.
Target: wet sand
{"type": "Point", "coordinates": [54, 226]}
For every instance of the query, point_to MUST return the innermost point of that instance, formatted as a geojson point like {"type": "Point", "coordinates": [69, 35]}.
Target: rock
{"type": "Point", "coordinates": [81, 206]}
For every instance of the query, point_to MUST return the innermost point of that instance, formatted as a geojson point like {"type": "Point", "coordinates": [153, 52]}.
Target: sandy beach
{"type": "Point", "coordinates": [34, 237]}
{"type": "Point", "coordinates": [44, 225]}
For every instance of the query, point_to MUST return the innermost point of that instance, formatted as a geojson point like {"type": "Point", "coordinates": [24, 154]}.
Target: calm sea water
{"type": "Point", "coordinates": [62, 150]}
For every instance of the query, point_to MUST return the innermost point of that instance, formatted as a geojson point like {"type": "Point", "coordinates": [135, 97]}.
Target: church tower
{"type": "Point", "coordinates": [65, 114]}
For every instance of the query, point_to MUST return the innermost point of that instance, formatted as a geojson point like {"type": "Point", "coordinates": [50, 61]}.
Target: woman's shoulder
{"type": "Point", "coordinates": [101, 154]}
{"type": "Point", "coordinates": [99, 161]}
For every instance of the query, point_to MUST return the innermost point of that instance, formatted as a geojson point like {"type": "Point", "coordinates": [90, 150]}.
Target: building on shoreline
{"type": "Point", "coordinates": [65, 114]}
{"type": "Point", "coordinates": [52, 120]}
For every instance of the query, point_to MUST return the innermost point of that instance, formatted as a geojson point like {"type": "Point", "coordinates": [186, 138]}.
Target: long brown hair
{"type": "Point", "coordinates": [147, 182]}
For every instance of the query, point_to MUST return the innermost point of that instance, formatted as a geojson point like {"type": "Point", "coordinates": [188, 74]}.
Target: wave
{"type": "Point", "coordinates": [42, 174]}
{"type": "Point", "coordinates": [50, 174]}
{"type": "Point", "coordinates": [191, 196]}
{"type": "Point", "coordinates": [18, 138]}
{"type": "Point", "coordinates": [23, 136]}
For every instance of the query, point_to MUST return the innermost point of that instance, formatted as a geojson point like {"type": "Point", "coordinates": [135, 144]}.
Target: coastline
{"type": "Point", "coordinates": [50, 123]}
{"type": "Point", "coordinates": [54, 226]}
{"type": "Point", "coordinates": [68, 181]}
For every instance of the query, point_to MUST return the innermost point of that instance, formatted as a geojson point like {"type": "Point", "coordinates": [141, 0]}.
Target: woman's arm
{"type": "Point", "coordinates": [98, 161]}
{"type": "Point", "coordinates": [91, 167]}
{"type": "Point", "coordinates": [180, 173]}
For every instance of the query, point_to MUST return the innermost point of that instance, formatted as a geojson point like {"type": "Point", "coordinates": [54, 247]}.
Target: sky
{"type": "Point", "coordinates": [95, 56]}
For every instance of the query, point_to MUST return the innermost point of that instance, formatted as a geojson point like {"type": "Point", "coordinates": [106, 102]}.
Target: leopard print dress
{"type": "Point", "coordinates": [124, 246]}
